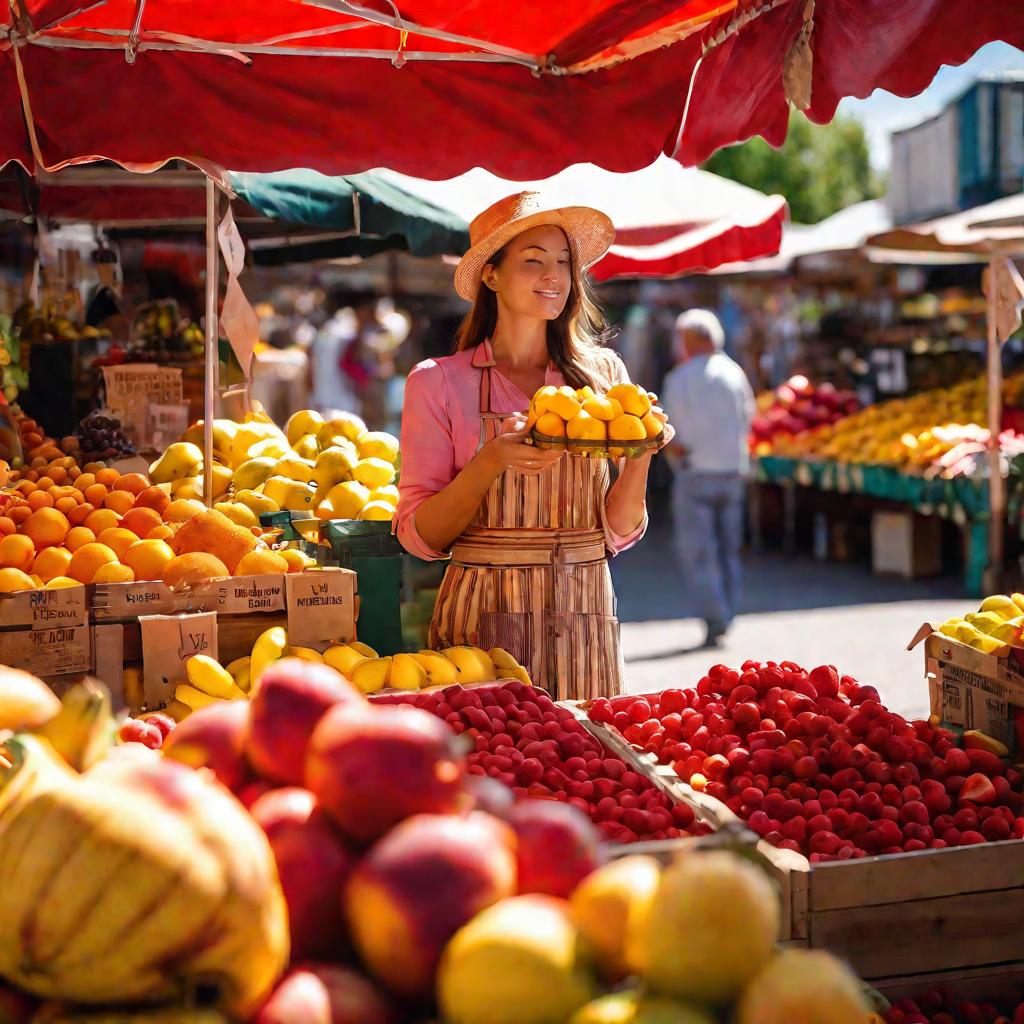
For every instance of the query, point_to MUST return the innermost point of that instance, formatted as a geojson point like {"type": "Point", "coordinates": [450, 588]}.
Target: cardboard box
{"type": "Point", "coordinates": [168, 641]}
{"type": "Point", "coordinates": [969, 689]}
{"type": "Point", "coordinates": [905, 544]}
{"type": "Point", "coordinates": [37, 609]}
{"type": "Point", "coordinates": [48, 650]}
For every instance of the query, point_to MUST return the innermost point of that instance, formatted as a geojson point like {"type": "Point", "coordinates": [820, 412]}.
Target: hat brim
{"type": "Point", "coordinates": [590, 234]}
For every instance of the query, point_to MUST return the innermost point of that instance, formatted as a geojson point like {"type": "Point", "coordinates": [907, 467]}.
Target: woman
{"type": "Point", "coordinates": [528, 531]}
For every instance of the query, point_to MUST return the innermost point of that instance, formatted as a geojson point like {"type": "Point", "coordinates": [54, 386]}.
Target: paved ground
{"type": "Point", "coordinates": [794, 609]}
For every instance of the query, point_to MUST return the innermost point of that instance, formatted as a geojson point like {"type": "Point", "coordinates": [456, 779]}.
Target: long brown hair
{"type": "Point", "coordinates": [575, 337]}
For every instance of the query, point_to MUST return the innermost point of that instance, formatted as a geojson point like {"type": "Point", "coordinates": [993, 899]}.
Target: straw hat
{"type": "Point", "coordinates": [590, 234]}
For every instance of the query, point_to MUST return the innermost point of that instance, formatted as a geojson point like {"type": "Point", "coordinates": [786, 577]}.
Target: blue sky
{"type": "Point", "coordinates": [882, 112]}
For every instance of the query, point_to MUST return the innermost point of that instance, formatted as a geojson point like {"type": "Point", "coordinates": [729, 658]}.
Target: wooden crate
{"type": "Point", "coordinates": [907, 914]}
{"type": "Point", "coordinates": [982, 984]}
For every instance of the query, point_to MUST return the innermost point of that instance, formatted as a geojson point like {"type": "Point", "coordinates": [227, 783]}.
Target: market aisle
{"type": "Point", "coordinates": [793, 609]}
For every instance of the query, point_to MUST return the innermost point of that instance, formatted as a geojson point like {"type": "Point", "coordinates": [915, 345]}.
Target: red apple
{"type": "Point", "coordinates": [315, 993]}
{"type": "Point", "coordinates": [313, 864]}
{"type": "Point", "coordinates": [370, 767]}
{"type": "Point", "coordinates": [293, 696]}
{"type": "Point", "coordinates": [214, 738]}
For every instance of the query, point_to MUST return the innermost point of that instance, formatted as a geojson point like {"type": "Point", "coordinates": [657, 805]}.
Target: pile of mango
{"type": "Point", "coordinates": [994, 628]}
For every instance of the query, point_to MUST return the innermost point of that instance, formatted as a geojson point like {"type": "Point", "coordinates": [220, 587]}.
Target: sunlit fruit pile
{"type": "Point", "coordinates": [815, 763]}
{"type": "Point", "coordinates": [335, 469]}
{"type": "Point", "coordinates": [625, 413]}
{"type": "Point", "coordinates": [523, 739]}
{"type": "Point", "coordinates": [942, 1005]}
{"type": "Point", "coordinates": [795, 407]}
{"type": "Point", "coordinates": [913, 433]}
{"type": "Point", "coordinates": [995, 628]}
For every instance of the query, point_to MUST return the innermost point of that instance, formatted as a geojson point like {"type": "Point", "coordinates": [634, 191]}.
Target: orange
{"type": "Point", "coordinates": [148, 558]}
{"type": "Point", "coordinates": [88, 559]}
{"type": "Point", "coordinates": [84, 480]}
{"type": "Point", "coordinates": [95, 494]}
{"type": "Point", "coordinates": [260, 561]}
{"type": "Point", "coordinates": [118, 539]}
{"type": "Point", "coordinates": [119, 502]}
{"type": "Point", "coordinates": [46, 527]}
{"type": "Point", "coordinates": [112, 572]}
{"type": "Point", "coordinates": [77, 536]}
{"type": "Point", "coordinates": [108, 477]}
{"type": "Point", "coordinates": [194, 567]}
{"type": "Point", "coordinates": [74, 472]}
{"type": "Point", "coordinates": [102, 519]}
{"type": "Point", "coordinates": [652, 425]}
{"type": "Point", "coordinates": [60, 582]}
{"type": "Point", "coordinates": [93, 467]}
{"type": "Point", "coordinates": [134, 483]}
{"type": "Point", "coordinates": [51, 562]}
{"type": "Point", "coordinates": [161, 532]}
{"type": "Point", "coordinates": [66, 505]}
{"type": "Point", "coordinates": [17, 552]}
{"type": "Point", "coordinates": [39, 499]}
{"type": "Point", "coordinates": [7, 525]}
{"type": "Point", "coordinates": [182, 509]}
{"type": "Point", "coordinates": [13, 580]}
{"type": "Point", "coordinates": [141, 520]}
{"type": "Point", "coordinates": [44, 483]}
{"type": "Point", "coordinates": [19, 513]}
{"type": "Point", "coordinates": [77, 516]}
{"type": "Point", "coordinates": [58, 474]}
{"type": "Point", "coordinates": [154, 497]}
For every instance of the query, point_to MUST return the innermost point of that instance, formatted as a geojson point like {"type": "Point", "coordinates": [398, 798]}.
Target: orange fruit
{"type": "Point", "coordinates": [95, 494]}
{"type": "Point", "coordinates": [44, 483]}
{"type": "Point", "coordinates": [148, 558]}
{"type": "Point", "coordinates": [107, 476]}
{"type": "Point", "coordinates": [39, 499]}
{"type": "Point", "coordinates": [134, 483]}
{"type": "Point", "coordinates": [46, 527]}
{"type": "Point", "coordinates": [119, 502]}
{"type": "Point", "coordinates": [84, 480]}
{"type": "Point", "coordinates": [7, 525]}
{"type": "Point", "coordinates": [60, 582]}
{"type": "Point", "coordinates": [295, 559]}
{"type": "Point", "coordinates": [652, 425]}
{"type": "Point", "coordinates": [88, 559]}
{"type": "Point", "coordinates": [182, 509]}
{"type": "Point", "coordinates": [113, 572]}
{"type": "Point", "coordinates": [66, 505]}
{"type": "Point", "coordinates": [102, 519]}
{"type": "Point", "coordinates": [51, 562]}
{"type": "Point", "coordinates": [31, 477]}
{"type": "Point", "coordinates": [17, 552]}
{"type": "Point", "coordinates": [153, 497]}
{"type": "Point", "coordinates": [195, 567]}
{"type": "Point", "coordinates": [141, 520]}
{"type": "Point", "coordinates": [260, 561]}
{"type": "Point", "coordinates": [94, 467]}
{"type": "Point", "coordinates": [19, 513]}
{"type": "Point", "coordinates": [77, 516]}
{"type": "Point", "coordinates": [118, 539]}
{"type": "Point", "coordinates": [77, 536]}
{"type": "Point", "coordinates": [74, 472]}
{"type": "Point", "coordinates": [58, 474]}
{"type": "Point", "coordinates": [161, 532]}
{"type": "Point", "coordinates": [13, 580]}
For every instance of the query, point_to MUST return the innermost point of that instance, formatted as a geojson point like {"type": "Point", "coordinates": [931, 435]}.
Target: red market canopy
{"type": "Point", "coordinates": [432, 88]}
{"type": "Point", "coordinates": [669, 220]}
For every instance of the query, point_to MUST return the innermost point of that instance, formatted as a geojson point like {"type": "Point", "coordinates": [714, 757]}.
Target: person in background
{"type": "Point", "coordinates": [280, 373]}
{"type": "Point", "coordinates": [368, 359]}
{"type": "Point", "coordinates": [330, 389]}
{"type": "Point", "coordinates": [710, 402]}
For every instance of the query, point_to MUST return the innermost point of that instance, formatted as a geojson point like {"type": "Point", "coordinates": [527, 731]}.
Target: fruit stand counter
{"type": "Point", "coordinates": [962, 500]}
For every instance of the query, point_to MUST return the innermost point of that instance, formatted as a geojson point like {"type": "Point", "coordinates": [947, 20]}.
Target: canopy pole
{"type": "Point", "coordinates": [996, 484]}
{"type": "Point", "coordinates": [210, 375]}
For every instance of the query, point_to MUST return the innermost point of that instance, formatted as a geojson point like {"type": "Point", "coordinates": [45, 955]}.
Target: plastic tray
{"type": "Point", "coordinates": [598, 449]}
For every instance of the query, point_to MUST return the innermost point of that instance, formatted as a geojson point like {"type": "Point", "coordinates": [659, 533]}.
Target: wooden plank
{"type": "Point", "coordinates": [237, 633]}
{"type": "Point", "coordinates": [108, 644]}
{"type": "Point", "coordinates": [981, 984]}
{"type": "Point", "coordinates": [924, 874]}
{"type": "Point", "coordinates": [913, 937]}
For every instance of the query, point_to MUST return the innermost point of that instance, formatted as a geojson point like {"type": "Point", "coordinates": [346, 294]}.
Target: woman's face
{"type": "Point", "coordinates": [534, 278]}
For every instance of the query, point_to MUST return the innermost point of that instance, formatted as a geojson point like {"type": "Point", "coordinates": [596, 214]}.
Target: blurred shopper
{"type": "Point", "coordinates": [368, 360]}
{"type": "Point", "coordinates": [280, 376]}
{"type": "Point", "coordinates": [330, 388]}
{"type": "Point", "coordinates": [709, 401]}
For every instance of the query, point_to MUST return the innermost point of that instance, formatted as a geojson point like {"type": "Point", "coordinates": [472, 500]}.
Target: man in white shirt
{"type": "Point", "coordinates": [710, 403]}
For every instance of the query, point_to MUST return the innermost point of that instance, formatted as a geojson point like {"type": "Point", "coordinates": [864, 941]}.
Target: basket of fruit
{"type": "Point", "coordinates": [624, 423]}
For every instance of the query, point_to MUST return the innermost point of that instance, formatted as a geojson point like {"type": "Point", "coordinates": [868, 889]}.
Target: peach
{"type": "Point", "coordinates": [545, 825]}
{"type": "Point", "coordinates": [316, 993]}
{"type": "Point", "coordinates": [214, 737]}
{"type": "Point", "coordinates": [313, 864]}
{"type": "Point", "coordinates": [370, 767]}
{"type": "Point", "coordinates": [418, 886]}
{"type": "Point", "coordinates": [293, 696]}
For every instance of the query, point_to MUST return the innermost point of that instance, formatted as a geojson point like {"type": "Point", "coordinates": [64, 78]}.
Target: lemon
{"type": "Point", "coordinates": [374, 472]}
{"type": "Point", "coordinates": [333, 465]}
{"type": "Point", "coordinates": [584, 427]}
{"type": "Point", "coordinates": [305, 421]}
{"type": "Point", "coordinates": [295, 468]}
{"type": "Point", "coordinates": [627, 428]}
{"type": "Point", "coordinates": [550, 424]}
{"type": "Point", "coordinates": [376, 444]}
{"type": "Point", "coordinates": [377, 510]}
{"type": "Point", "coordinates": [388, 493]}
{"type": "Point", "coordinates": [347, 499]}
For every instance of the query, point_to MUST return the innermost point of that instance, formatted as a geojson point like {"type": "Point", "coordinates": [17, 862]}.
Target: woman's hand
{"type": "Point", "coordinates": [509, 449]}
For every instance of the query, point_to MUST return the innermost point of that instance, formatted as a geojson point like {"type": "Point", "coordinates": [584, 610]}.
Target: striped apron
{"type": "Point", "coordinates": [530, 574]}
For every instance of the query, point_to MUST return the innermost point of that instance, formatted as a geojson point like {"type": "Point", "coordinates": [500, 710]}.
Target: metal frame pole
{"type": "Point", "coordinates": [996, 484]}
{"type": "Point", "coordinates": [210, 375]}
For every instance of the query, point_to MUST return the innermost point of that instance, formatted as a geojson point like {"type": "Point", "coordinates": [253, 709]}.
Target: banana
{"type": "Point", "coordinates": [343, 658]}
{"type": "Point", "coordinates": [194, 698]}
{"type": "Point", "coordinates": [177, 710]}
{"type": "Point", "coordinates": [306, 654]}
{"type": "Point", "coordinates": [270, 646]}
{"type": "Point", "coordinates": [440, 671]}
{"type": "Point", "coordinates": [83, 731]}
{"type": "Point", "coordinates": [238, 668]}
{"type": "Point", "coordinates": [206, 674]}
{"type": "Point", "coordinates": [131, 681]}
{"type": "Point", "coordinates": [504, 663]}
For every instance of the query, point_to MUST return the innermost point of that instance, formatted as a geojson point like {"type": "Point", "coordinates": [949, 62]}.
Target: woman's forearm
{"type": "Point", "coordinates": [445, 515]}
{"type": "Point", "coordinates": [626, 502]}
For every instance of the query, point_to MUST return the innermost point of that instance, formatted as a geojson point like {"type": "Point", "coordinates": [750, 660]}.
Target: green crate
{"type": "Point", "coordinates": [284, 521]}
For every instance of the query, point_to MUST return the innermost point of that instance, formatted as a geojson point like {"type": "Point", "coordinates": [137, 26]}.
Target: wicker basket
{"type": "Point", "coordinates": [598, 449]}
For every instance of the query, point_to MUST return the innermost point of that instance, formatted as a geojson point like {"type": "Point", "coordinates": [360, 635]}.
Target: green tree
{"type": "Point", "coordinates": [820, 169]}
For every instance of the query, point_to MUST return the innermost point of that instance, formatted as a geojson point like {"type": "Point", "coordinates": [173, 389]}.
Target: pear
{"type": "Point", "coordinates": [373, 473]}
{"type": "Point", "coordinates": [440, 671]}
{"type": "Point", "coordinates": [253, 472]}
{"type": "Point", "coordinates": [295, 468]}
{"type": "Point", "coordinates": [302, 423]}
{"type": "Point", "coordinates": [289, 494]}
{"type": "Point", "coordinates": [407, 673]}
{"type": "Point", "coordinates": [376, 444]}
{"type": "Point", "coordinates": [348, 498]}
{"type": "Point", "coordinates": [473, 664]}
{"type": "Point", "coordinates": [275, 447]}
{"type": "Point", "coordinates": [333, 465]}
{"type": "Point", "coordinates": [306, 447]}
{"type": "Point", "coordinates": [343, 658]}
{"type": "Point", "coordinates": [181, 459]}
{"type": "Point", "coordinates": [346, 424]}
{"type": "Point", "coordinates": [372, 675]}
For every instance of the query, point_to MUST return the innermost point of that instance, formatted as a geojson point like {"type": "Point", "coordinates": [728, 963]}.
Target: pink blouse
{"type": "Point", "coordinates": [441, 433]}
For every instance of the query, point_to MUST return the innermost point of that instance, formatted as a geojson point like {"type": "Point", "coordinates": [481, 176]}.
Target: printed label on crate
{"type": "Point", "coordinates": [168, 641]}
{"type": "Point", "coordinates": [50, 651]}
{"type": "Point", "coordinates": [321, 606]}
{"type": "Point", "coordinates": [37, 608]}
{"type": "Point", "coordinates": [974, 701]}
{"type": "Point", "coordinates": [113, 601]}
{"type": "Point", "coordinates": [264, 593]}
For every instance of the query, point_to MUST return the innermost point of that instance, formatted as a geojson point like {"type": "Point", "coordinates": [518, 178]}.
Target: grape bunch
{"type": "Point", "coordinates": [101, 437]}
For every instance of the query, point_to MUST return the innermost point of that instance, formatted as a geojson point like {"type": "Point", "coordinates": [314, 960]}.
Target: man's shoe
{"type": "Point", "coordinates": [714, 635]}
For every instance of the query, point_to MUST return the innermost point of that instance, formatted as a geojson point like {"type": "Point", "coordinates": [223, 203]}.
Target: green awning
{"type": "Point", "coordinates": [359, 215]}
